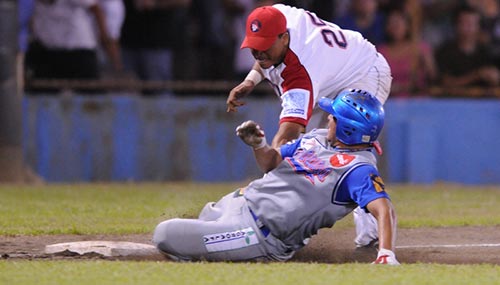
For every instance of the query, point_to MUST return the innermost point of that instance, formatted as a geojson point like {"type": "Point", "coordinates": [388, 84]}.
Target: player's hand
{"type": "Point", "coordinates": [251, 134]}
{"type": "Point", "coordinates": [238, 92]}
{"type": "Point", "coordinates": [386, 256]}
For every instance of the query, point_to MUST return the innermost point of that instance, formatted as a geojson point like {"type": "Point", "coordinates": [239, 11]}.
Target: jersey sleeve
{"type": "Point", "coordinates": [364, 185]}
{"type": "Point", "coordinates": [288, 149]}
{"type": "Point", "coordinates": [298, 97]}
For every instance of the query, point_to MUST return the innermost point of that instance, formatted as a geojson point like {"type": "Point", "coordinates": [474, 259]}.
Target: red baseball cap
{"type": "Point", "coordinates": [264, 25]}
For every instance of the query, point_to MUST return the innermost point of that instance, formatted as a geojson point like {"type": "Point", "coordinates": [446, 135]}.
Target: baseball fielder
{"type": "Point", "coordinates": [305, 58]}
{"type": "Point", "coordinates": [310, 183]}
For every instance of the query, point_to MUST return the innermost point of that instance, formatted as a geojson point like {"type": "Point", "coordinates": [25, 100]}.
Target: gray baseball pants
{"type": "Point", "coordinates": [224, 231]}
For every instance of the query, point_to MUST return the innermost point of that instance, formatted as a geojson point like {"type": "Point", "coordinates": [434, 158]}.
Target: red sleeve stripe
{"type": "Point", "coordinates": [294, 76]}
{"type": "Point", "coordinates": [299, 121]}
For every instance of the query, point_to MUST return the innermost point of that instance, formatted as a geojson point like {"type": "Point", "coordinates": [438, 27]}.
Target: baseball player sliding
{"type": "Point", "coordinates": [305, 58]}
{"type": "Point", "coordinates": [310, 183]}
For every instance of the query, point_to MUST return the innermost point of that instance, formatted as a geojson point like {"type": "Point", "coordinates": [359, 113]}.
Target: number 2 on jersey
{"type": "Point", "coordinates": [328, 34]}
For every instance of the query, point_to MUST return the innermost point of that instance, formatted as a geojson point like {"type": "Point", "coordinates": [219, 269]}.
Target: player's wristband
{"type": "Point", "coordinates": [254, 76]}
{"type": "Point", "coordinates": [262, 144]}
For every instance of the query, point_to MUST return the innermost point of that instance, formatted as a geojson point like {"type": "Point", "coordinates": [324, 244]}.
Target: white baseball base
{"type": "Point", "coordinates": [105, 248]}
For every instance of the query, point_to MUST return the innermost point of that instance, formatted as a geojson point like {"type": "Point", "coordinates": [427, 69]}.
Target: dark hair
{"type": "Point", "coordinates": [407, 19]}
{"type": "Point", "coordinates": [463, 9]}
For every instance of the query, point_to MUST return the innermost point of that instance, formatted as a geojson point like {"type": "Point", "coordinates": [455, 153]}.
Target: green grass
{"type": "Point", "coordinates": [108, 272]}
{"type": "Point", "coordinates": [99, 208]}
{"type": "Point", "coordinates": [137, 208]}
{"type": "Point", "coordinates": [446, 205]}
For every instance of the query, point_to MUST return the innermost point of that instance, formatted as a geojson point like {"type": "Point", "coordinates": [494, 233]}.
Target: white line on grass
{"type": "Point", "coordinates": [450, 245]}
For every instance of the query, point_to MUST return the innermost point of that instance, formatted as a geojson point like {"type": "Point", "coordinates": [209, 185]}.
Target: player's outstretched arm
{"type": "Point", "coordinates": [253, 78]}
{"type": "Point", "coordinates": [383, 211]}
{"type": "Point", "coordinates": [287, 131]}
{"type": "Point", "coordinates": [236, 94]}
{"type": "Point", "coordinates": [267, 157]}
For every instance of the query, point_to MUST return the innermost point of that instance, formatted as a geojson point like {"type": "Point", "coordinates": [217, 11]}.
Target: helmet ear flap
{"type": "Point", "coordinates": [347, 130]}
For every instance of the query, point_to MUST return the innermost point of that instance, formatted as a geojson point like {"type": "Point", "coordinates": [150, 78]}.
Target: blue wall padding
{"type": "Point", "coordinates": [134, 138]}
{"type": "Point", "coordinates": [438, 140]}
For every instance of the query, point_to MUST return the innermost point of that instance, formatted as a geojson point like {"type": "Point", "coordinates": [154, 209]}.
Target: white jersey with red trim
{"type": "Point", "coordinates": [321, 61]}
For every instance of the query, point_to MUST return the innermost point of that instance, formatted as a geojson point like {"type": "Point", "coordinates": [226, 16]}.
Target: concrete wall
{"type": "Point", "coordinates": [121, 138]}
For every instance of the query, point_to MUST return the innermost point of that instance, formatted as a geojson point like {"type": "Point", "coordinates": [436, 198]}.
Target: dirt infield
{"type": "Point", "coordinates": [457, 245]}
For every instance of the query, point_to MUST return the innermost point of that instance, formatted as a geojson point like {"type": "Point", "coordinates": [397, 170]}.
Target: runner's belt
{"type": "Point", "coordinates": [265, 230]}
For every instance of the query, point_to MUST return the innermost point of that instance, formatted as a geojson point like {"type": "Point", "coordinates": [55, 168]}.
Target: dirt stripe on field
{"type": "Point", "coordinates": [449, 245]}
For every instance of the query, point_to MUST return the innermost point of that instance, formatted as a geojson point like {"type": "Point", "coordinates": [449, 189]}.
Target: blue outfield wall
{"type": "Point", "coordinates": [438, 140]}
{"type": "Point", "coordinates": [133, 138]}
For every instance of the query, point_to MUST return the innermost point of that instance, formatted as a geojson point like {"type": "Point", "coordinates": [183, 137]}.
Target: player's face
{"type": "Point", "coordinates": [332, 128]}
{"type": "Point", "coordinates": [275, 54]}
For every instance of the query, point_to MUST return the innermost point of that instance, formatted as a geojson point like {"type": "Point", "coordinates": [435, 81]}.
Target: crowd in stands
{"type": "Point", "coordinates": [431, 45]}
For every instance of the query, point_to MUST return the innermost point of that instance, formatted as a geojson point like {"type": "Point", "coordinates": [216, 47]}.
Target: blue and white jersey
{"type": "Point", "coordinates": [313, 187]}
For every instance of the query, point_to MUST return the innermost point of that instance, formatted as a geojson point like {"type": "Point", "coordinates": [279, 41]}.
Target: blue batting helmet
{"type": "Point", "coordinates": [360, 116]}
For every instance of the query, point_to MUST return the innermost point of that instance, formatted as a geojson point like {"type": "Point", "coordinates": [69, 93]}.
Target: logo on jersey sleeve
{"type": "Point", "coordinates": [295, 103]}
{"type": "Point", "coordinates": [378, 183]}
{"type": "Point", "coordinates": [341, 159]}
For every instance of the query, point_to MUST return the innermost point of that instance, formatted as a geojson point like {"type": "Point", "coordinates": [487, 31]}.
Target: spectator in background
{"type": "Point", "coordinates": [490, 24]}
{"type": "Point", "coordinates": [114, 12]}
{"type": "Point", "coordinates": [152, 30]}
{"type": "Point", "coordinates": [411, 60]}
{"type": "Point", "coordinates": [24, 17]}
{"type": "Point", "coordinates": [65, 42]}
{"type": "Point", "coordinates": [437, 26]}
{"type": "Point", "coordinates": [220, 29]}
{"type": "Point", "coordinates": [25, 12]}
{"type": "Point", "coordinates": [340, 8]}
{"type": "Point", "coordinates": [325, 9]}
{"type": "Point", "coordinates": [243, 59]}
{"type": "Point", "coordinates": [464, 61]}
{"type": "Point", "coordinates": [215, 36]}
{"type": "Point", "coordinates": [365, 18]}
